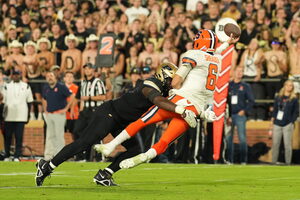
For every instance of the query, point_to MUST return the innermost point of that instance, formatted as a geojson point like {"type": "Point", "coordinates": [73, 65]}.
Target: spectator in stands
{"type": "Point", "coordinates": [81, 33]}
{"type": "Point", "coordinates": [213, 13]}
{"type": "Point", "coordinates": [11, 34]}
{"type": "Point", "coordinates": [55, 106]}
{"type": "Point", "coordinates": [168, 54]}
{"type": "Point", "coordinates": [17, 95]}
{"type": "Point", "coordinates": [249, 32]}
{"type": "Point", "coordinates": [247, 11]}
{"type": "Point", "coordinates": [276, 67]}
{"type": "Point", "coordinates": [294, 58]}
{"type": "Point", "coordinates": [134, 11]}
{"type": "Point", "coordinates": [90, 53]}
{"type": "Point", "coordinates": [14, 61]}
{"type": "Point", "coordinates": [57, 43]}
{"type": "Point", "coordinates": [286, 111]}
{"type": "Point", "coordinates": [3, 56]}
{"type": "Point", "coordinates": [280, 24]}
{"type": "Point", "coordinates": [154, 36]}
{"type": "Point", "coordinates": [251, 61]}
{"type": "Point", "coordinates": [71, 58]}
{"type": "Point", "coordinates": [131, 61]}
{"type": "Point", "coordinates": [135, 37]}
{"type": "Point", "coordinates": [149, 56]}
{"type": "Point", "coordinates": [33, 72]}
{"type": "Point", "coordinates": [232, 11]}
{"type": "Point", "coordinates": [135, 75]}
{"type": "Point", "coordinates": [91, 94]}
{"type": "Point", "coordinates": [240, 104]}
{"type": "Point", "coordinates": [45, 57]}
{"type": "Point", "coordinates": [71, 116]}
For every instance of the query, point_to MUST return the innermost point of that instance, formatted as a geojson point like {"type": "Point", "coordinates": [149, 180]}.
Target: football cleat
{"type": "Point", "coordinates": [43, 170]}
{"type": "Point", "coordinates": [104, 178]}
{"type": "Point", "coordinates": [104, 149]}
{"type": "Point", "coordinates": [134, 161]}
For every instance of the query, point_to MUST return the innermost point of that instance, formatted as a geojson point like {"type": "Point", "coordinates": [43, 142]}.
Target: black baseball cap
{"type": "Point", "coordinates": [135, 70]}
{"type": "Point", "coordinates": [90, 65]}
{"type": "Point", "coordinates": [16, 72]}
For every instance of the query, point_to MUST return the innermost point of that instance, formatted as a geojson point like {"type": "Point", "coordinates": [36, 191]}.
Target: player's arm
{"type": "Point", "coordinates": [157, 99]}
{"type": "Point", "coordinates": [183, 71]}
{"type": "Point", "coordinates": [226, 44]}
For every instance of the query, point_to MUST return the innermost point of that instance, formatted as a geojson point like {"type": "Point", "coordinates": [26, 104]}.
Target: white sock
{"type": "Point", "coordinates": [120, 138]}
{"type": "Point", "coordinates": [52, 165]}
{"type": "Point", "coordinates": [32, 116]}
{"type": "Point", "coordinates": [40, 115]}
{"type": "Point", "coordinates": [151, 153]}
{"type": "Point", "coordinates": [109, 170]}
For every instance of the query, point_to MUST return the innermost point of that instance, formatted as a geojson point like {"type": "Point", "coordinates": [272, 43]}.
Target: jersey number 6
{"type": "Point", "coordinates": [211, 77]}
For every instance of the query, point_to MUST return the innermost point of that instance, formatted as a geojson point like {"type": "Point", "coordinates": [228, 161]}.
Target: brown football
{"type": "Point", "coordinates": [232, 28]}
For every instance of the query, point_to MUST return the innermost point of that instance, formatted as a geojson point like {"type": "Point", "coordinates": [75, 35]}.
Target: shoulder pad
{"type": "Point", "coordinates": [154, 83]}
{"type": "Point", "coordinates": [189, 58]}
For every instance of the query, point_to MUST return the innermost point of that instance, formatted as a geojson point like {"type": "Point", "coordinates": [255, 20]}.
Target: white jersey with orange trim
{"type": "Point", "coordinates": [199, 84]}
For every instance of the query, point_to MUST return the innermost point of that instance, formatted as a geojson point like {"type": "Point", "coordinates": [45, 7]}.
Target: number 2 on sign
{"type": "Point", "coordinates": [211, 77]}
{"type": "Point", "coordinates": [106, 46]}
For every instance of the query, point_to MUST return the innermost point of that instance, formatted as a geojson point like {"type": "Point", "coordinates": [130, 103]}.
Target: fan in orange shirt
{"type": "Point", "coordinates": [71, 115]}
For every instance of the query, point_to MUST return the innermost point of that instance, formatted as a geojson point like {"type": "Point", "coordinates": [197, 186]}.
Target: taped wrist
{"type": "Point", "coordinates": [183, 70]}
{"type": "Point", "coordinates": [179, 109]}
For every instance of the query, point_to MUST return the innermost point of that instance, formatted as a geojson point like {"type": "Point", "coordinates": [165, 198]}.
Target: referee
{"type": "Point", "coordinates": [91, 94]}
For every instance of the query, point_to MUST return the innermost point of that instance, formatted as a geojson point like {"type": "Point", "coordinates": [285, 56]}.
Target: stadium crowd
{"type": "Point", "coordinates": [62, 36]}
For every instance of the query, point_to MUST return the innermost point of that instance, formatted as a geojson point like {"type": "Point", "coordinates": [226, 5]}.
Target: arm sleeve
{"type": "Point", "coordinates": [250, 98]}
{"type": "Point", "coordinates": [151, 84]}
{"type": "Point", "coordinates": [221, 48]}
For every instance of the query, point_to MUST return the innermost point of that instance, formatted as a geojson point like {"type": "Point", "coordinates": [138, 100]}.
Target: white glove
{"type": "Point", "coordinates": [208, 115]}
{"type": "Point", "coordinates": [188, 115]}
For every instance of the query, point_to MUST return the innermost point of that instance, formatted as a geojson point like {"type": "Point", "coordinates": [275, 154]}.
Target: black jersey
{"type": "Point", "coordinates": [130, 106]}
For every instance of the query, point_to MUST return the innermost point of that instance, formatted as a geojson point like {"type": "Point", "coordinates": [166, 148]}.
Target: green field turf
{"type": "Point", "coordinates": [154, 181]}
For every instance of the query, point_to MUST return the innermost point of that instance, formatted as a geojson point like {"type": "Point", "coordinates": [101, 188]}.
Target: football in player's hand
{"type": "Point", "coordinates": [232, 29]}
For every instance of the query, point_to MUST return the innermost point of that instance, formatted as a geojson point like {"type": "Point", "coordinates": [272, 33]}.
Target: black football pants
{"type": "Point", "coordinates": [100, 125]}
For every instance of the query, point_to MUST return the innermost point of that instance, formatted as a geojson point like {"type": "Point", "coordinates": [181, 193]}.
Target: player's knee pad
{"type": "Point", "coordinates": [160, 147]}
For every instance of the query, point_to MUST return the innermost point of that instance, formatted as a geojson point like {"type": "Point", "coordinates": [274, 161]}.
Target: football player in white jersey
{"type": "Point", "coordinates": [193, 83]}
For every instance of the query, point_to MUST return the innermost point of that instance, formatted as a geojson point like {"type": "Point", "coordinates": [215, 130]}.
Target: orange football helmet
{"type": "Point", "coordinates": [205, 40]}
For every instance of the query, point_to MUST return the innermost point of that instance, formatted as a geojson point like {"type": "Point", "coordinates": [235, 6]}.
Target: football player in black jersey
{"type": "Point", "coordinates": [113, 116]}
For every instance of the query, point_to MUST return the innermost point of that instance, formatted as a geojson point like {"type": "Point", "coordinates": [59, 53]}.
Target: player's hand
{"type": "Point", "coordinates": [209, 115]}
{"type": "Point", "coordinates": [190, 118]}
{"type": "Point", "coordinates": [188, 115]}
{"type": "Point", "coordinates": [232, 40]}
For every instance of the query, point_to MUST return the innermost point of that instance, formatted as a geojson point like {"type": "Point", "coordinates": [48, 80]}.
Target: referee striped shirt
{"type": "Point", "coordinates": [91, 88]}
